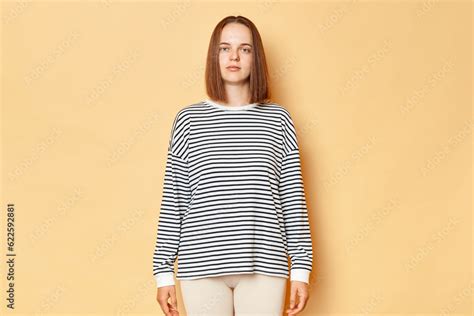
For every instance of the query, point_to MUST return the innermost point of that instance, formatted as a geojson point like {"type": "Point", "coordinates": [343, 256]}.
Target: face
{"type": "Point", "coordinates": [235, 49]}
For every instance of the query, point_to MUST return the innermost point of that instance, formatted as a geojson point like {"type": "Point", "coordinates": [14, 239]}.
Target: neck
{"type": "Point", "coordinates": [238, 94]}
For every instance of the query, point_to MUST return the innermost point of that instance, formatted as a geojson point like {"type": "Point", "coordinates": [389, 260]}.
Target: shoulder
{"type": "Point", "coordinates": [278, 108]}
{"type": "Point", "coordinates": [184, 113]}
{"type": "Point", "coordinates": [282, 112]}
{"type": "Point", "coordinates": [180, 129]}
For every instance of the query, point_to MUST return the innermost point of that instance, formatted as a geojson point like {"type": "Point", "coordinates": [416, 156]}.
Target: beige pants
{"type": "Point", "coordinates": [236, 294]}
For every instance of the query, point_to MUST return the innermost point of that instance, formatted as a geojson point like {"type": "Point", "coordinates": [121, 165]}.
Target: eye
{"type": "Point", "coordinates": [246, 49]}
{"type": "Point", "coordinates": [223, 48]}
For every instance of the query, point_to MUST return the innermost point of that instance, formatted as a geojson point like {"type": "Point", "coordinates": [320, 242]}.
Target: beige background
{"type": "Point", "coordinates": [380, 92]}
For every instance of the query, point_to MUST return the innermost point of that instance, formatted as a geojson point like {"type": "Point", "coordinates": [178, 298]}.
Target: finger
{"type": "Point", "coordinates": [163, 301]}
{"type": "Point", "coordinates": [293, 297]}
{"type": "Point", "coordinates": [172, 308]}
{"type": "Point", "coordinates": [174, 301]}
{"type": "Point", "coordinates": [172, 311]}
{"type": "Point", "coordinates": [301, 304]}
{"type": "Point", "coordinates": [164, 306]}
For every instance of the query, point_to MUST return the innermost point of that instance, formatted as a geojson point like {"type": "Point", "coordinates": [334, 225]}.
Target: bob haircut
{"type": "Point", "coordinates": [258, 78]}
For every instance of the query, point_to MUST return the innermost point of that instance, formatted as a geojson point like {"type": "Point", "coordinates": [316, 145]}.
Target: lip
{"type": "Point", "coordinates": [233, 68]}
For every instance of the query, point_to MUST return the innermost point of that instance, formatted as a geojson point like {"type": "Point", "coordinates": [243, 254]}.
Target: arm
{"type": "Point", "coordinates": [175, 200]}
{"type": "Point", "coordinates": [294, 209]}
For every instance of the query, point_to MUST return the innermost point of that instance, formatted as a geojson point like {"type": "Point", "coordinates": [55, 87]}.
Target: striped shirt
{"type": "Point", "coordinates": [233, 199]}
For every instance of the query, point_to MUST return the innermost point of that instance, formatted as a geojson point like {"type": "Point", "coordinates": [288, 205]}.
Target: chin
{"type": "Point", "coordinates": [235, 79]}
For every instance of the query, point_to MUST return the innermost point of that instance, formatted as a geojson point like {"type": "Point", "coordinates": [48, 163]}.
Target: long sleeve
{"type": "Point", "coordinates": [293, 204]}
{"type": "Point", "coordinates": [175, 200]}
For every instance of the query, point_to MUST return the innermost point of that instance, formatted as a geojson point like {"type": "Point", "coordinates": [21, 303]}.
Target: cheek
{"type": "Point", "coordinates": [248, 62]}
{"type": "Point", "coordinates": [221, 61]}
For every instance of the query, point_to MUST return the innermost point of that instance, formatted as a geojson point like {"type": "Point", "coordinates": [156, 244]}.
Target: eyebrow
{"type": "Point", "coordinates": [225, 43]}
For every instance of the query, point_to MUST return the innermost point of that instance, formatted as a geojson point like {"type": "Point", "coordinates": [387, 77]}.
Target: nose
{"type": "Point", "coordinates": [234, 55]}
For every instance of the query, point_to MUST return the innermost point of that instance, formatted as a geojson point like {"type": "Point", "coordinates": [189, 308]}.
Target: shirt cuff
{"type": "Point", "coordinates": [300, 275]}
{"type": "Point", "coordinates": [164, 279]}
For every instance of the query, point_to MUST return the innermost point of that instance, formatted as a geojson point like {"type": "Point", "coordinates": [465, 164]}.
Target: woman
{"type": "Point", "coordinates": [233, 204]}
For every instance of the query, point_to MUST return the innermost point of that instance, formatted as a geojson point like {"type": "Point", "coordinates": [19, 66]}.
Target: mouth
{"type": "Point", "coordinates": [233, 68]}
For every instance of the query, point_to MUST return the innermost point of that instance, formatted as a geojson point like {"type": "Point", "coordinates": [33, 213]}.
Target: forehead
{"type": "Point", "coordinates": [236, 33]}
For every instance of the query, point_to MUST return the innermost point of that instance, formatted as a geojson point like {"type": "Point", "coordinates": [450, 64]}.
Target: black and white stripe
{"type": "Point", "coordinates": [233, 197]}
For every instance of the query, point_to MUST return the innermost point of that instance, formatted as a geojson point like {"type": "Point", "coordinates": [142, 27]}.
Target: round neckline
{"type": "Point", "coordinates": [230, 107]}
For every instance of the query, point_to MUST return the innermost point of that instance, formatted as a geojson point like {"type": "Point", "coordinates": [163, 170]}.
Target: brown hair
{"type": "Point", "coordinates": [258, 78]}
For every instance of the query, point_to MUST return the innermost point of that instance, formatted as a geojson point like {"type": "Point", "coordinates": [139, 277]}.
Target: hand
{"type": "Point", "coordinates": [163, 293]}
{"type": "Point", "coordinates": [298, 290]}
